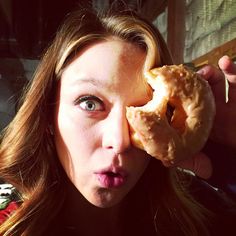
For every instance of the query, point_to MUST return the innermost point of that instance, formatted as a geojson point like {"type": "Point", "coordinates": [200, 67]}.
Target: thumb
{"type": "Point", "coordinates": [200, 164]}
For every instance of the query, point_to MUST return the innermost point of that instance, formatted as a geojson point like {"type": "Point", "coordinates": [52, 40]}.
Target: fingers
{"type": "Point", "coordinates": [212, 74]}
{"type": "Point", "coordinates": [200, 164]}
{"type": "Point", "coordinates": [229, 69]}
{"type": "Point", "coordinates": [224, 129]}
{"type": "Point", "coordinates": [216, 79]}
{"type": "Point", "coordinates": [222, 79]}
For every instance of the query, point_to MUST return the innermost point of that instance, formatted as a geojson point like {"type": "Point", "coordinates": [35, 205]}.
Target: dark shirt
{"type": "Point", "coordinates": [138, 221]}
{"type": "Point", "coordinates": [223, 160]}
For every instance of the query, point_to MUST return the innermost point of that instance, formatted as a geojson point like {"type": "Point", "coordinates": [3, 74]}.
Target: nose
{"type": "Point", "coordinates": [116, 132]}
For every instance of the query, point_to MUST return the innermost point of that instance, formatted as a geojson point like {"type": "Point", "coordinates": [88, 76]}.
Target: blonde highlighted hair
{"type": "Point", "coordinates": [28, 158]}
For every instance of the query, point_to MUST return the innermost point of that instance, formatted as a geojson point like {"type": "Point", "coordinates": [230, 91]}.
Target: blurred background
{"type": "Point", "coordinates": [197, 32]}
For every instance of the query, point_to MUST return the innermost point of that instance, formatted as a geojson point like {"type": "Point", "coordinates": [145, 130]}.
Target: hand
{"type": "Point", "coordinates": [224, 127]}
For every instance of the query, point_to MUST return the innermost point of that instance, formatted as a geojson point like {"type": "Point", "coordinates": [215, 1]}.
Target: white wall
{"type": "Point", "coordinates": [208, 23]}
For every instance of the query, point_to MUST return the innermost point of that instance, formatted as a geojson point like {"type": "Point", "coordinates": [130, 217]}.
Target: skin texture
{"type": "Point", "coordinates": [92, 134]}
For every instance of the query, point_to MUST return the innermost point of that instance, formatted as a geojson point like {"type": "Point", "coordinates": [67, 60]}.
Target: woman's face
{"type": "Point", "coordinates": [91, 130]}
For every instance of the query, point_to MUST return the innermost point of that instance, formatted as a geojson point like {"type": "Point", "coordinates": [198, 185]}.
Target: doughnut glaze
{"type": "Point", "coordinates": [177, 122]}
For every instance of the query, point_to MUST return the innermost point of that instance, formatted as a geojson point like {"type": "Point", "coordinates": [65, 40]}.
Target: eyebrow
{"type": "Point", "coordinates": [92, 81]}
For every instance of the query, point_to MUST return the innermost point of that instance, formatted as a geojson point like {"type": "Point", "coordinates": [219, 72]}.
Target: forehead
{"type": "Point", "coordinates": [107, 58]}
{"type": "Point", "coordinates": [112, 65]}
{"type": "Point", "coordinates": [110, 51]}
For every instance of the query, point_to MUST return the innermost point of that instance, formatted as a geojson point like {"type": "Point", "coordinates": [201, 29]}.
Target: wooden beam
{"type": "Point", "coordinates": [176, 29]}
{"type": "Point", "coordinates": [212, 57]}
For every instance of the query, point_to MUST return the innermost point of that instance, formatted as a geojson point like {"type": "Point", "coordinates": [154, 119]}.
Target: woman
{"type": "Point", "coordinates": [68, 150]}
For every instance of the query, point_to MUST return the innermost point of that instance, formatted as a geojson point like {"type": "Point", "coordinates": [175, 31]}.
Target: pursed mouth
{"type": "Point", "coordinates": [111, 178]}
{"type": "Point", "coordinates": [112, 174]}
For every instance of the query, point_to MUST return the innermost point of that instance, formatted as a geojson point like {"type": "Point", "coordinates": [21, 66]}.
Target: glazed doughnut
{"type": "Point", "coordinates": [177, 122]}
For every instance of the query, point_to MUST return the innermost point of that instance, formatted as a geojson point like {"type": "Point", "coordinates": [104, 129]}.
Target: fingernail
{"type": "Point", "coordinates": [201, 72]}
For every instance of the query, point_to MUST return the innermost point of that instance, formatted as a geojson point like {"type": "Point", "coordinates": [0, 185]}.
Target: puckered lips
{"type": "Point", "coordinates": [111, 177]}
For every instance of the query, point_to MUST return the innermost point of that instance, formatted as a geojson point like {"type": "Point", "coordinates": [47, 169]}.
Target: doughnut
{"type": "Point", "coordinates": [176, 123]}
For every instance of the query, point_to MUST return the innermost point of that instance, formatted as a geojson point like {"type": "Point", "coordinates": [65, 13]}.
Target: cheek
{"type": "Point", "coordinates": [138, 165]}
{"type": "Point", "coordinates": [73, 140]}
{"type": "Point", "coordinates": [142, 163]}
{"type": "Point", "coordinates": [73, 128]}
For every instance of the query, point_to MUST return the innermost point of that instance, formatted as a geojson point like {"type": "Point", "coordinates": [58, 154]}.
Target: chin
{"type": "Point", "coordinates": [103, 198]}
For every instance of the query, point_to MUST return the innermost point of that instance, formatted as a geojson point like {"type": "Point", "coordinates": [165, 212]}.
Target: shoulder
{"type": "Point", "coordinates": [218, 202]}
{"type": "Point", "coordinates": [214, 198]}
{"type": "Point", "coordinates": [9, 200]}
{"type": "Point", "coordinates": [224, 164]}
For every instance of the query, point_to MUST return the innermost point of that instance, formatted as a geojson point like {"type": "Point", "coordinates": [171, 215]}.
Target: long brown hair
{"type": "Point", "coordinates": [28, 158]}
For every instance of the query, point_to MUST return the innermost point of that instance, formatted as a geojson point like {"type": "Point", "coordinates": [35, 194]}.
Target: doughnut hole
{"type": "Point", "coordinates": [176, 115]}
{"type": "Point", "coordinates": [169, 112]}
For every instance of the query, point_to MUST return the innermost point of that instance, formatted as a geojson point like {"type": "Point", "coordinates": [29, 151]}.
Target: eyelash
{"type": "Point", "coordinates": [90, 98]}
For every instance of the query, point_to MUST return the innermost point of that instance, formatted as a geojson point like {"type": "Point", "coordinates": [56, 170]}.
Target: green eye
{"type": "Point", "coordinates": [90, 103]}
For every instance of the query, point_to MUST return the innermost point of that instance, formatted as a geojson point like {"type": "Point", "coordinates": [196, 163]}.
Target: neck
{"type": "Point", "coordinates": [83, 217]}
{"type": "Point", "coordinates": [134, 214]}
